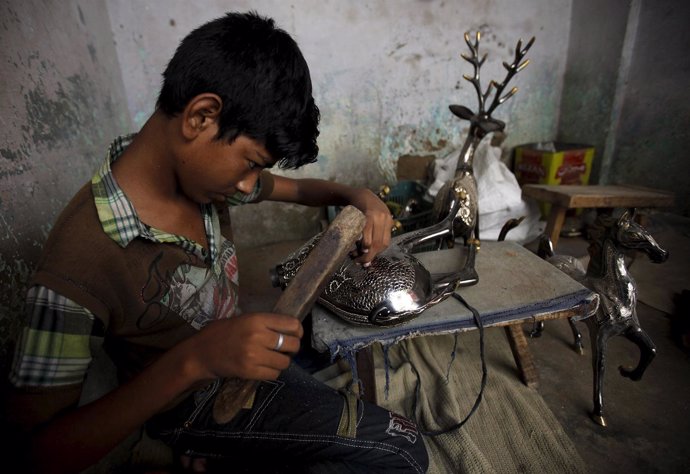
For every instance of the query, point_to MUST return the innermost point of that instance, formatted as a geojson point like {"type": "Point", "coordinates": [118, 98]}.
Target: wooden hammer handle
{"type": "Point", "coordinates": [298, 297]}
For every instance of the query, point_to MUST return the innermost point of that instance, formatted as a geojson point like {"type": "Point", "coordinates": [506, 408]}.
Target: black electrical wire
{"type": "Point", "coordinates": [478, 321]}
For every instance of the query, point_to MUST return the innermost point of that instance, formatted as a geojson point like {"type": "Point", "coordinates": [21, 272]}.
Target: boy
{"type": "Point", "coordinates": [142, 262]}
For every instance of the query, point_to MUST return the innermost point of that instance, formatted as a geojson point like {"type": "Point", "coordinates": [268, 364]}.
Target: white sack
{"type": "Point", "coordinates": [500, 196]}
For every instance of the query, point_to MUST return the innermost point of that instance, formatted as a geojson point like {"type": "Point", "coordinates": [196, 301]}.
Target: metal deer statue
{"type": "Point", "coordinates": [464, 185]}
{"type": "Point", "coordinates": [611, 240]}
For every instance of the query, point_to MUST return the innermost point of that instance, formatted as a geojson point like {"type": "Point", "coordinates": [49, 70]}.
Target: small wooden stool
{"type": "Point", "coordinates": [564, 197]}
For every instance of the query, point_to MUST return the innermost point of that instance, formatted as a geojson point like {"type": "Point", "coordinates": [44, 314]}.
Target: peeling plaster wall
{"type": "Point", "coordinates": [384, 73]}
{"type": "Point", "coordinates": [62, 100]}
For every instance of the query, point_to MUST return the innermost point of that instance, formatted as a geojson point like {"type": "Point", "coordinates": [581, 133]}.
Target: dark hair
{"type": "Point", "coordinates": [260, 74]}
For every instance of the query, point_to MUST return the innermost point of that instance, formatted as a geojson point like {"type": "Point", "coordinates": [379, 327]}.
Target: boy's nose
{"type": "Point", "coordinates": [246, 186]}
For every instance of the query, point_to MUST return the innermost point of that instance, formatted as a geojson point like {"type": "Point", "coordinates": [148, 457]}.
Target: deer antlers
{"type": "Point", "coordinates": [482, 118]}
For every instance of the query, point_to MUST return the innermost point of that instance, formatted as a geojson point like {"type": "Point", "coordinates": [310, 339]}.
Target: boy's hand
{"type": "Point", "coordinates": [245, 346]}
{"type": "Point", "coordinates": [317, 192]}
{"type": "Point", "coordinates": [377, 231]}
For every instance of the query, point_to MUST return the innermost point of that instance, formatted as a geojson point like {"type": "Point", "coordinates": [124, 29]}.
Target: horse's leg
{"type": "Point", "coordinates": [537, 329]}
{"type": "Point", "coordinates": [577, 337]}
{"type": "Point", "coordinates": [647, 352]}
{"type": "Point", "coordinates": [598, 335]}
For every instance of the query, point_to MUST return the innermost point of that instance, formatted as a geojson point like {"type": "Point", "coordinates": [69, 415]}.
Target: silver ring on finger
{"type": "Point", "coordinates": [279, 344]}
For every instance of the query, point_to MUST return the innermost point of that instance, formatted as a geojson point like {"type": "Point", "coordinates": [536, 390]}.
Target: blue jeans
{"type": "Point", "coordinates": [296, 424]}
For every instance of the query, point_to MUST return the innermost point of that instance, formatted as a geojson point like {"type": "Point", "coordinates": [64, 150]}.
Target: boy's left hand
{"type": "Point", "coordinates": [377, 231]}
{"type": "Point", "coordinates": [317, 192]}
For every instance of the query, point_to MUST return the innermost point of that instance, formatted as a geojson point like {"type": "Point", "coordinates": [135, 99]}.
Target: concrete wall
{"type": "Point", "coordinates": [625, 92]}
{"type": "Point", "coordinates": [597, 35]}
{"type": "Point", "coordinates": [61, 102]}
{"type": "Point", "coordinates": [652, 140]}
{"type": "Point", "coordinates": [384, 74]}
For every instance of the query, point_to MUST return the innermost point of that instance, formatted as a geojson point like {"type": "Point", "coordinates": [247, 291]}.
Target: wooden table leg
{"type": "Point", "coordinates": [522, 355]}
{"type": "Point", "coordinates": [555, 222]}
{"type": "Point", "coordinates": [366, 373]}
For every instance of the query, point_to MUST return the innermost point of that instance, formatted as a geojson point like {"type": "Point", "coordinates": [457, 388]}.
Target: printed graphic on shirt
{"type": "Point", "coordinates": [198, 294]}
{"type": "Point", "coordinates": [401, 426]}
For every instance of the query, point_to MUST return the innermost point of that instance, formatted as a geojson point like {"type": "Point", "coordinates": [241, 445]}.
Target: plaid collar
{"type": "Point", "coordinates": [120, 220]}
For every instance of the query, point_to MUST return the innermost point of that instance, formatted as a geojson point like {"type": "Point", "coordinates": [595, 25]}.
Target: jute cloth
{"type": "Point", "coordinates": [513, 430]}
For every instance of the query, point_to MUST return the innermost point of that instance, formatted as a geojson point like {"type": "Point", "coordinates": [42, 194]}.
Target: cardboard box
{"type": "Point", "coordinates": [553, 163]}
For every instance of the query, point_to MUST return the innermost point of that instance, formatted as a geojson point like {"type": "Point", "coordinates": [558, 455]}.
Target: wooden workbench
{"type": "Point", "coordinates": [564, 197]}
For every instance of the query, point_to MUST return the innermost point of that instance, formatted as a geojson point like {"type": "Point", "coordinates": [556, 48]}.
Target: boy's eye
{"type": "Point", "coordinates": [252, 165]}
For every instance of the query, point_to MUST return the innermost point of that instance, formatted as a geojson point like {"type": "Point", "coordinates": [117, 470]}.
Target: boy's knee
{"type": "Point", "coordinates": [409, 452]}
{"type": "Point", "coordinates": [413, 453]}
{"type": "Point", "coordinates": [421, 455]}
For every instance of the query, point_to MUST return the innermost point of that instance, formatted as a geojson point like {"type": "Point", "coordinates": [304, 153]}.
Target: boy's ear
{"type": "Point", "coordinates": [201, 113]}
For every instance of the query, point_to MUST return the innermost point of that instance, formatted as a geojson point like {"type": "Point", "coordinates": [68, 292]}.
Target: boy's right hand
{"type": "Point", "coordinates": [244, 347]}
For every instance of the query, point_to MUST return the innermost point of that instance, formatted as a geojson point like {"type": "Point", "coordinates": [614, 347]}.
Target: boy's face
{"type": "Point", "coordinates": [212, 170]}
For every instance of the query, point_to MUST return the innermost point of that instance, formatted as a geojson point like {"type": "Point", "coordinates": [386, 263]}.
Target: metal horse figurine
{"type": "Point", "coordinates": [464, 185]}
{"type": "Point", "coordinates": [394, 289]}
{"type": "Point", "coordinates": [607, 275]}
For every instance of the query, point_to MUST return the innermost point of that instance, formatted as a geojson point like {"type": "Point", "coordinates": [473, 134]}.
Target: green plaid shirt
{"type": "Point", "coordinates": [59, 337]}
